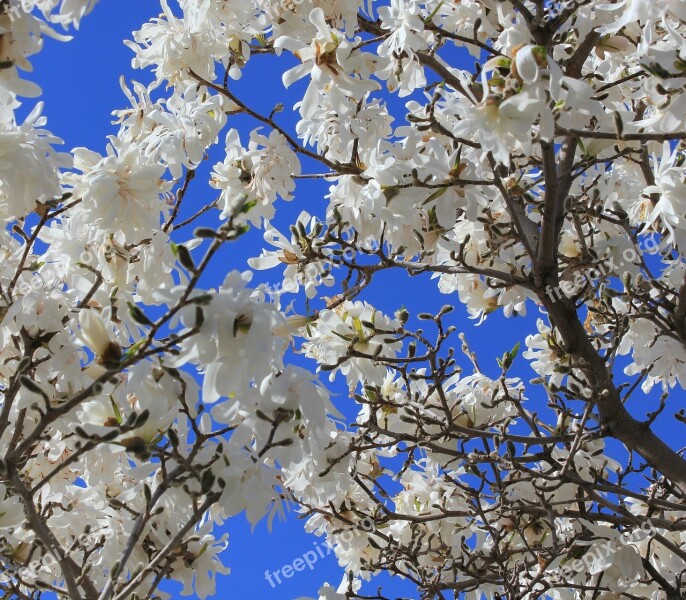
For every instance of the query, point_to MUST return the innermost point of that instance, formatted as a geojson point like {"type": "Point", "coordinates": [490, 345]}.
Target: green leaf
{"type": "Point", "coordinates": [138, 315]}
{"type": "Point", "coordinates": [437, 194]}
{"type": "Point", "coordinates": [185, 257]}
{"type": "Point", "coordinates": [434, 12]}
{"type": "Point", "coordinates": [115, 409]}
{"type": "Point", "coordinates": [248, 206]}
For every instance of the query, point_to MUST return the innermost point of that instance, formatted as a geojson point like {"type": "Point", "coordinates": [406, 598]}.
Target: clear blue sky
{"type": "Point", "coordinates": [80, 80]}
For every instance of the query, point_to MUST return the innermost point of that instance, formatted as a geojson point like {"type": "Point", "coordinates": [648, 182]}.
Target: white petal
{"type": "Point", "coordinates": [526, 65]}
{"type": "Point", "coordinates": [292, 75]}
{"type": "Point", "coordinates": [266, 261]}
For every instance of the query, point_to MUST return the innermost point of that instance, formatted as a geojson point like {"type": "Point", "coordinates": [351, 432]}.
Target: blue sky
{"type": "Point", "coordinates": [80, 80]}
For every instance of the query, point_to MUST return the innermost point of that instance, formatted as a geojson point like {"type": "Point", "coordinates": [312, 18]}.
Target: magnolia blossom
{"type": "Point", "coordinates": [331, 62]}
{"type": "Point", "coordinates": [240, 324]}
{"type": "Point", "coordinates": [291, 253]}
{"type": "Point", "coordinates": [176, 132]}
{"type": "Point", "coordinates": [123, 191]}
{"type": "Point", "coordinates": [255, 176]}
{"type": "Point", "coordinates": [11, 513]}
{"type": "Point", "coordinates": [404, 22]}
{"type": "Point", "coordinates": [502, 123]}
{"type": "Point", "coordinates": [28, 164]}
{"type": "Point", "coordinates": [172, 45]}
{"type": "Point", "coordinates": [670, 184]}
{"type": "Point", "coordinates": [342, 331]}
{"type": "Point", "coordinates": [95, 332]}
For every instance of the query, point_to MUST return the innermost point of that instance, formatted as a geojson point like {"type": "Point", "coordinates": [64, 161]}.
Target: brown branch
{"type": "Point", "coordinates": [67, 565]}
{"type": "Point", "coordinates": [680, 312]}
{"type": "Point", "coordinates": [342, 169]}
{"type": "Point", "coordinates": [636, 436]}
{"type": "Point", "coordinates": [627, 137]}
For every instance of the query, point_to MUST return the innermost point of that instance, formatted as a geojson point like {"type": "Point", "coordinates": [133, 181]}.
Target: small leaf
{"type": "Point", "coordinates": [138, 315]}
{"type": "Point", "coordinates": [205, 232]}
{"type": "Point", "coordinates": [248, 206]}
{"type": "Point", "coordinates": [437, 194]}
{"type": "Point", "coordinates": [185, 257]}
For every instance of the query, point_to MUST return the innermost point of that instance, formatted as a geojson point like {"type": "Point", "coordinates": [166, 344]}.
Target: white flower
{"type": "Point", "coordinates": [611, 554]}
{"type": "Point", "coordinates": [329, 60]}
{"type": "Point", "coordinates": [176, 131]}
{"type": "Point", "coordinates": [198, 568]}
{"type": "Point", "coordinates": [234, 345]}
{"type": "Point", "coordinates": [671, 206]}
{"type": "Point", "coordinates": [121, 192]}
{"type": "Point", "coordinates": [253, 178]}
{"type": "Point", "coordinates": [299, 270]}
{"type": "Point", "coordinates": [544, 352]}
{"type": "Point", "coordinates": [172, 45]}
{"type": "Point", "coordinates": [11, 511]}
{"type": "Point", "coordinates": [651, 349]}
{"type": "Point", "coordinates": [501, 125]}
{"type": "Point", "coordinates": [95, 332]}
{"type": "Point", "coordinates": [339, 332]}
{"type": "Point", "coordinates": [404, 21]}
{"type": "Point", "coordinates": [28, 165]}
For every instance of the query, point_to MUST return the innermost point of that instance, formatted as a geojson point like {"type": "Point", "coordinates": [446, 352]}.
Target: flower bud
{"type": "Point", "coordinates": [98, 338]}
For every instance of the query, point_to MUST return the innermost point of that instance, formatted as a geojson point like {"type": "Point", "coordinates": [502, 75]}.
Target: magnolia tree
{"type": "Point", "coordinates": [142, 407]}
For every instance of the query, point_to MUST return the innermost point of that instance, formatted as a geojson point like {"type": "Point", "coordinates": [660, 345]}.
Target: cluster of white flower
{"type": "Point", "coordinates": [140, 406]}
